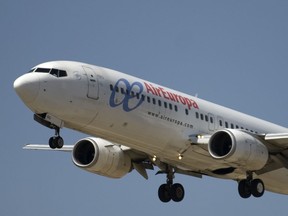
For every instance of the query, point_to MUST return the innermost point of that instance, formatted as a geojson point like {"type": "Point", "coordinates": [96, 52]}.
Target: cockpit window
{"type": "Point", "coordinates": [43, 70]}
{"type": "Point", "coordinates": [53, 71]}
{"type": "Point", "coordinates": [58, 73]}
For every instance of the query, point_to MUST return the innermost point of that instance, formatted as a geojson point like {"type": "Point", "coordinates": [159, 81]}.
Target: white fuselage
{"type": "Point", "coordinates": [142, 115]}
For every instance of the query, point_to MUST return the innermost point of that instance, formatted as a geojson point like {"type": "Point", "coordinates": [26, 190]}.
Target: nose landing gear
{"type": "Point", "coordinates": [56, 141]}
{"type": "Point", "coordinates": [53, 123]}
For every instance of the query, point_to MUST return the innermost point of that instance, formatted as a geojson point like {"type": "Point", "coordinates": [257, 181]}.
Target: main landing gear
{"type": "Point", "coordinates": [169, 191]}
{"type": "Point", "coordinates": [56, 141]}
{"type": "Point", "coordinates": [250, 186]}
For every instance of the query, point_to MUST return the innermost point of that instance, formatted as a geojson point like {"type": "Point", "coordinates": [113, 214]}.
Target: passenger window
{"type": "Point", "coordinates": [201, 116]}
{"type": "Point", "coordinates": [232, 126]}
{"type": "Point", "coordinates": [176, 108]}
{"type": "Point", "coordinates": [148, 99]}
{"type": "Point", "coordinates": [226, 125]}
{"type": "Point", "coordinates": [170, 106]}
{"type": "Point", "coordinates": [211, 120]}
{"type": "Point", "coordinates": [154, 100]}
{"type": "Point", "coordinates": [206, 118]}
{"type": "Point", "coordinates": [159, 103]}
{"type": "Point", "coordinates": [197, 115]}
{"type": "Point", "coordinates": [220, 123]}
{"type": "Point", "coordinates": [186, 111]}
{"type": "Point", "coordinates": [165, 104]}
{"type": "Point", "coordinates": [111, 87]}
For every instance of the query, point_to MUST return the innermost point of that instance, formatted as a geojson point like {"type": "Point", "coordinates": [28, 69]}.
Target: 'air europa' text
{"type": "Point", "coordinates": [161, 92]}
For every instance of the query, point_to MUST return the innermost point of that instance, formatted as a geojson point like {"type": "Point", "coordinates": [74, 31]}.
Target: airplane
{"type": "Point", "coordinates": [134, 124]}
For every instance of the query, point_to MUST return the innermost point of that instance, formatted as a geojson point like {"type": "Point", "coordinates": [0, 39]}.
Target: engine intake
{"type": "Point", "coordinates": [101, 157]}
{"type": "Point", "coordinates": [238, 148]}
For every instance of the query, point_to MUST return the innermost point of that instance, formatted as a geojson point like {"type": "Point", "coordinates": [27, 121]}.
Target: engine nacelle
{"type": "Point", "coordinates": [239, 148]}
{"type": "Point", "coordinates": [99, 156]}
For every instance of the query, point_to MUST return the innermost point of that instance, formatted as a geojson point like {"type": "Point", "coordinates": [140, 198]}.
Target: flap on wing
{"type": "Point", "coordinates": [278, 139]}
{"type": "Point", "coordinates": [65, 148]}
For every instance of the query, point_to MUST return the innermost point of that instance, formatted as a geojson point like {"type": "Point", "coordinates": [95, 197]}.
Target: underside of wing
{"type": "Point", "coordinates": [277, 139]}
{"type": "Point", "coordinates": [65, 148]}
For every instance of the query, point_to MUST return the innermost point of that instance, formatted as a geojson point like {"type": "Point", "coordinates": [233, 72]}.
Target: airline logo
{"type": "Point", "coordinates": [161, 92]}
{"type": "Point", "coordinates": [137, 88]}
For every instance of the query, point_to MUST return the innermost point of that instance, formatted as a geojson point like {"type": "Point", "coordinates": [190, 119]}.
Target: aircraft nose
{"type": "Point", "coordinates": [27, 87]}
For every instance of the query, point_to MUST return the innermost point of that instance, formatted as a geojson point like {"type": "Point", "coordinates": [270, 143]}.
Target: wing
{"type": "Point", "coordinates": [140, 160]}
{"type": "Point", "coordinates": [65, 148]}
{"type": "Point", "coordinates": [277, 144]}
{"type": "Point", "coordinates": [279, 140]}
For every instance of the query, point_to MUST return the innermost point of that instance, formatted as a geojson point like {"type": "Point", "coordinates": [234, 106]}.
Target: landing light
{"type": "Point", "coordinates": [200, 136]}
{"type": "Point", "coordinates": [180, 157]}
{"type": "Point", "coordinates": [154, 158]}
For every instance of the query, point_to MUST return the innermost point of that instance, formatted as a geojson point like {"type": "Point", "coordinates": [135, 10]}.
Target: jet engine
{"type": "Point", "coordinates": [99, 156]}
{"type": "Point", "coordinates": [238, 148]}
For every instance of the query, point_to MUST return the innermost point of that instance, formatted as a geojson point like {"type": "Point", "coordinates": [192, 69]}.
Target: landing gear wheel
{"type": "Point", "coordinates": [244, 189]}
{"type": "Point", "coordinates": [52, 143]}
{"type": "Point", "coordinates": [164, 193]}
{"type": "Point", "coordinates": [247, 187]}
{"type": "Point", "coordinates": [59, 142]}
{"type": "Point", "coordinates": [169, 191]}
{"type": "Point", "coordinates": [257, 188]}
{"type": "Point", "coordinates": [56, 142]}
{"type": "Point", "coordinates": [177, 192]}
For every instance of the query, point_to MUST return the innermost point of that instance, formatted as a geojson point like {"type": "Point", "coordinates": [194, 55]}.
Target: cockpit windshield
{"type": "Point", "coordinates": [53, 71]}
{"type": "Point", "coordinates": [42, 70]}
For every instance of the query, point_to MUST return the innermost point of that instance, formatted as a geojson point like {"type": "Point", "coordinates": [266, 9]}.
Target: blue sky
{"type": "Point", "coordinates": [229, 52]}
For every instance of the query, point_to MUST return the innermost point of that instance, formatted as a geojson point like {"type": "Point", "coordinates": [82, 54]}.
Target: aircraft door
{"type": "Point", "coordinates": [93, 85]}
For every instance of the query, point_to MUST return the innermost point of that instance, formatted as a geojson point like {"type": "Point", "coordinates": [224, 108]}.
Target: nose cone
{"type": "Point", "coordinates": [27, 87]}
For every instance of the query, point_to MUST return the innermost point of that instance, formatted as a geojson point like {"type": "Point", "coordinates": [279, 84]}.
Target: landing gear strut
{"type": "Point", "coordinates": [49, 121]}
{"type": "Point", "coordinates": [250, 186]}
{"type": "Point", "coordinates": [169, 191]}
{"type": "Point", "coordinates": [56, 141]}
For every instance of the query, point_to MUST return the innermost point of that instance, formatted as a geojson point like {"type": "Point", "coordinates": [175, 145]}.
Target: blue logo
{"type": "Point", "coordinates": [137, 88]}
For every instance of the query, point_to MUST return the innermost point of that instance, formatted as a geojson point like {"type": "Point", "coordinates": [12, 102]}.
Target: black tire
{"type": "Point", "coordinates": [257, 188]}
{"type": "Point", "coordinates": [244, 189]}
{"type": "Point", "coordinates": [164, 193]}
{"type": "Point", "coordinates": [177, 192]}
{"type": "Point", "coordinates": [59, 142]}
{"type": "Point", "coordinates": [52, 143]}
